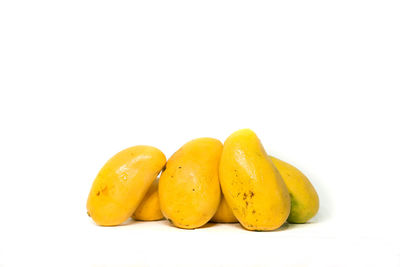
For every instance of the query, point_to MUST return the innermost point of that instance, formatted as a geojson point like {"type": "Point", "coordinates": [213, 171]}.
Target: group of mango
{"type": "Point", "coordinates": [258, 191]}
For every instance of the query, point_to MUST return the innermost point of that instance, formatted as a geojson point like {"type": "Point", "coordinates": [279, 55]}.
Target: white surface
{"type": "Point", "coordinates": [318, 82]}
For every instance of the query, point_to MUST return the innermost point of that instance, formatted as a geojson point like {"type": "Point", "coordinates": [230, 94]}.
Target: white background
{"type": "Point", "coordinates": [318, 81]}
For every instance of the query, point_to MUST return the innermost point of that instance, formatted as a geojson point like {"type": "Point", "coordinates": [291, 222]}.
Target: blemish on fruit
{"type": "Point", "coordinates": [244, 196]}
{"type": "Point", "coordinates": [251, 194]}
{"type": "Point", "coordinates": [104, 190]}
{"type": "Point", "coordinates": [98, 193]}
{"type": "Point", "coordinates": [293, 201]}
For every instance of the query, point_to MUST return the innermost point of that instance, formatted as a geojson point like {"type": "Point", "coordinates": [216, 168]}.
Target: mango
{"type": "Point", "coordinates": [122, 183]}
{"type": "Point", "coordinates": [251, 184]}
{"type": "Point", "coordinates": [304, 198]}
{"type": "Point", "coordinates": [189, 187]}
{"type": "Point", "coordinates": [149, 208]}
{"type": "Point", "coordinates": [224, 213]}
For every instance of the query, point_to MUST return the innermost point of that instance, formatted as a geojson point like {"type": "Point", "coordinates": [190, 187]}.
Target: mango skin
{"type": "Point", "coordinates": [122, 183]}
{"type": "Point", "coordinates": [224, 213]}
{"type": "Point", "coordinates": [189, 187]}
{"type": "Point", "coordinates": [251, 184]}
{"type": "Point", "coordinates": [304, 197]}
{"type": "Point", "coordinates": [149, 208]}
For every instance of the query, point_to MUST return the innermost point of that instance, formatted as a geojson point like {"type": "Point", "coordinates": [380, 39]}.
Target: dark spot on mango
{"type": "Point", "coordinates": [104, 190]}
{"type": "Point", "coordinates": [88, 214]}
{"type": "Point", "coordinates": [238, 194]}
{"type": "Point", "coordinates": [98, 193]}
{"type": "Point", "coordinates": [180, 167]}
{"type": "Point", "coordinates": [193, 189]}
{"type": "Point", "coordinates": [244, 196]}
{"type": "Point", "coordinates": [247, 204]}
{"type": "Point", "coordinates": [254, 211]}
{"type": "Point", "coordinates": [251, 194]}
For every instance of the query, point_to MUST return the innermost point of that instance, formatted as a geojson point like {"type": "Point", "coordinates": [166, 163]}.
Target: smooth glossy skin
{"type": "Point", "coordinates": [189, 188]}
{"type": "Point", "coordinates": [224, 213]}
{"type": "Point", "coordinates": [304, 198]}
{"type": "Point", "coordinates": [149, 208]}
{"type": "Point", "coordinates": [251, 184]}
{"type": "Point", "coordinates": [122, 184]}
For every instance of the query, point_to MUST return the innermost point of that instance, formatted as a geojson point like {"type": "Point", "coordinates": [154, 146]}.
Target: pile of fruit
{"type": "Point", "coordinates": [258, 191]}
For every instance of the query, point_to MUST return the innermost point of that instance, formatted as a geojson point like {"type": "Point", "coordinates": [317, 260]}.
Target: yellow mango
{"type": "Point", "coordinates": [122, 183]}
{"type": "Point", "coordinates": [224, 213]}
{"type": "Point", "coordinates": [189, 188]}
{"type": "Point", "coordinates": [251, 184]}
{"type": "Point", "coordinates": [149, 208]}
{"type": "Point", "coordinates": [304, 198]}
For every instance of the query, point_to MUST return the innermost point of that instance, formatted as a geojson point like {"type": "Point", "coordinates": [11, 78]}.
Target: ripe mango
{"type": "Point", "coordinates": [224, 213]}
{"type": "Point", "coordinates": [304, 198]}
{"type": "Point", "coordinates": [149, 208]}
{"type": "Point", "coordinates": [189, 187]}
{"type": "Point", "coordinates": [251, 184]}
{"type": "Point", "coordinates": [122, 184]}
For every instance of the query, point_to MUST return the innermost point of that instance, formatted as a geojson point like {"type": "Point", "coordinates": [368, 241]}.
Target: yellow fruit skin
{"type": "Point", "coordinates": [224, 213]}
{"type": "Point", "coordinates": [149, 208]}
{"type": "Point", "coordinates": [251, 184]}
{"type": "Point", "coordinates": [189, 187]}
{"type": "Point", "coordinates": [122, 183]}
{"type": "Point", "coordinates": [304, 198]}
